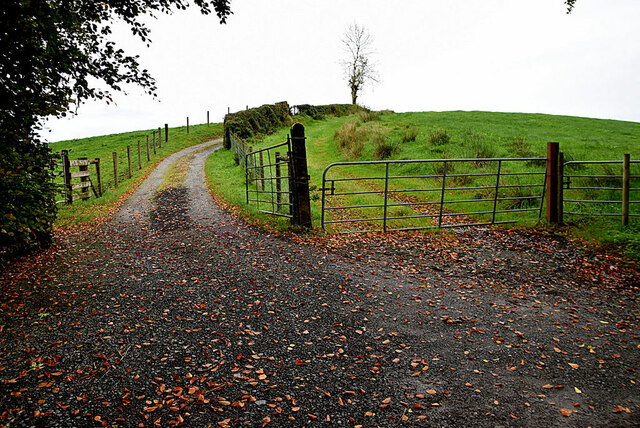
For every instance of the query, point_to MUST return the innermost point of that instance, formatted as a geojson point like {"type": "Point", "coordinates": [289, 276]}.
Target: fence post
{"type": "Point", "coordinates": [207, 118]}
{"type": "Point", "coordinates": [154, 142]}
{"type": "Point", "coordinates": [552, 182]}
{"type": "Point", "coordinates": [187, 124]}
{"type": "Point", "coordinates": [300, 178]}
{"type": "Point", "coordinates": [66, 172]}
{"type": "Point", "coordinates": [139, 156]}
{"type": "Point", "coordinates": [159, 137]}
{"type": "Point", "coordinates": [166, 132]}
{"type": "Point", "coordinates": [98, 176]}
{"type": "Point", "coordinates": [626, 180]}
{"type": "Point", "coordinates": [129, 161]}
{"type": "Point", "coordinates": [148, 154]}
{"type": "Point", "coordinates": [115, 169]}
{"type": "Point", "coordinates": [561, 188]}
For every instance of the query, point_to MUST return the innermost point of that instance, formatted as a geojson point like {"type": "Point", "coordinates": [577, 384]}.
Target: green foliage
{"type": "Point", "coordinates": [478, 147]}
{"type": "Point", "coordinates": [383, 146]}
{"type": "Point", "coordinates": [327, 111]}
{"type": "Point", "coordinates": [350, 139]}
{"type": "Point", "coordinates": [28, 210]}
{"type": "Point", "coordinates": [366, 115]}
{"type": "Point", "coordinates": [57, 54]}
{"type": "Point", "coordinates": [580, 139]}
{"type": "Point", "coordinates": [521, 148]}
{"type": "Point", "coordinates": [625, 237]}
{"type": "Point", "coordinates": [439, 137]}
{"type": "Point", "coordinates": [87, 212]}
{"type": "Point", "coordinates": [409, 135]}
{"type": "Point", "coordinates": [261, 120]}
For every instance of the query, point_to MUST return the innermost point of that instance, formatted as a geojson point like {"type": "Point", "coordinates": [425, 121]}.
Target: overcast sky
{"type": "Point", "coordinates": [431, 55]}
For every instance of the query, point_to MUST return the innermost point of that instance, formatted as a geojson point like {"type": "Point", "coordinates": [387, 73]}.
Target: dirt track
{"type": "Point", "coordinates": [180, 314]}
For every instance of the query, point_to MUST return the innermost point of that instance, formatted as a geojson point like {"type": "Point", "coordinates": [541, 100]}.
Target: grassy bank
{"type": "Point", "coordinates": [452, 135]}
{"type": "Point", "coordinates": [83, 213]}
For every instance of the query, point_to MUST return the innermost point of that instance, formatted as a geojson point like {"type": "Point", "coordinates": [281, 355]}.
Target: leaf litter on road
{"type": "Point", "coordinates": [171, 320]}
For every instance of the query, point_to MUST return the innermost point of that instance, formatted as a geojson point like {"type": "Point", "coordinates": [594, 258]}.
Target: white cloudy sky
{"type": "Point", "coordinates": [432, 55]}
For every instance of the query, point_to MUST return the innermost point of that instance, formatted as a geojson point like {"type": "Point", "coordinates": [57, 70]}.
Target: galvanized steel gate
{"type": "Point", "coordinates": [279, 184]}
{"type": "Point", "coordinates": [392, 195]}
{"type": "Point", "coordinates": [268, 179]}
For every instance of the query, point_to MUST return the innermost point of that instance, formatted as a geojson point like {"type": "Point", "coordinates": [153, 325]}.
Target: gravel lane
{"type": "Point", "coordinates": [179, 314]}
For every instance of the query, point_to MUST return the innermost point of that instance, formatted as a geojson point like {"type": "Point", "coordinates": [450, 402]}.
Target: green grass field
{"type": "Point", "coordinates": [87, 212]}
{"type": "Point", "coordinates": [452, 135]}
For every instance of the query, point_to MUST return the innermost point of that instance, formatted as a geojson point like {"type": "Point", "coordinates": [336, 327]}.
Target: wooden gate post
{"type": "Point", "coordinates": [207, 118]}
{"type": "Point", "coordinates": [552, 182]}
{"type": "Point", "coordinates": [626, 180]}
{"type": "Point", "coordinates": [166, 132]}
{"type": "Point", "coordinates": [187, 124]}
{"type": "Point", "coordinates": [299, 178]}
{"type": "Point", "coordinates": [66, 173]}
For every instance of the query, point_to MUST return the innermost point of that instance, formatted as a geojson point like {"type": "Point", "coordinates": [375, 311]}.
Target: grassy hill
{"type": "Point", "coordinates": [431, 135]}
{"type": "Point", "coordinates": [102, 147]}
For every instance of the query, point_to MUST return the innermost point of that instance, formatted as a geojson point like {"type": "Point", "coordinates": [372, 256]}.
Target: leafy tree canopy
{"type": "Point", "coordinates": [54, 54]}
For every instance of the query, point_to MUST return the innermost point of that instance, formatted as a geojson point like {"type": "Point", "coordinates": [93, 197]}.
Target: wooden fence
{"type": "Point", "coordinates": [83, 178]}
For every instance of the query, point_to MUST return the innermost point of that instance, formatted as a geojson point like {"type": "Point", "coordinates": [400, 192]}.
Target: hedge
{"type": "Point", "coordinates": [322, 112]}
{"type": "Point", "coordinates": [263, 120]}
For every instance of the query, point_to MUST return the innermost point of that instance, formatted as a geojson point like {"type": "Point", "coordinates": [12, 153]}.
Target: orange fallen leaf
{"type": "Point", "coordinates": [619, 409]}
{"type": "Point", "coordinates": [566, 412]}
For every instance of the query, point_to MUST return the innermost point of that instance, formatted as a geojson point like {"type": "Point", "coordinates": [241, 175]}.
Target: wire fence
{"type": "Point", "coordinates": [602, 188]}
{"type": "Point", "coordinates": [107, 173]}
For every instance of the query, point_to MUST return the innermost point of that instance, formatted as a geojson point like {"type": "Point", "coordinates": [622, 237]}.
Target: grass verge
{"type": "Point", "coordinates": [454, 135]}
{"type": "Point", "coordinates": [97, 210]}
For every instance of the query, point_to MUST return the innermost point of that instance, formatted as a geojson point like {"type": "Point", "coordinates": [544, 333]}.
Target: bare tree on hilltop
{"type": "Point", "coordinates": [358, 67]}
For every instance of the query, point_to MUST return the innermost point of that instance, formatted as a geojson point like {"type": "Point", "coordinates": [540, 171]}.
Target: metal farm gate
{"type": "Point", "coordinates": [398, 195]}
{"type": "Point", "coordinates": [277, 180]}
{"type": "Point", "coordinates": [268, 179]}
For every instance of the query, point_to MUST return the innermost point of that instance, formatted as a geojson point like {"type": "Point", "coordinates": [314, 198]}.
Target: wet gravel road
{"type": "Point", "coordinates": [178, 314]}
